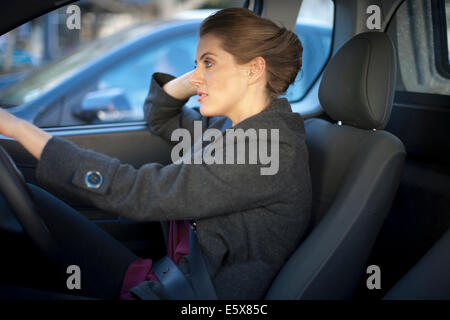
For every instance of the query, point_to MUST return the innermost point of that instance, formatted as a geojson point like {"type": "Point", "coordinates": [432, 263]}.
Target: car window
{"type": "Point", "coordinates": [314, 29]}
{"type": "Point", "coordinates": [441, 15]}
{"type": "Point", "coordinates": [80, 78]}
{"type": "Point", "coordinates": [415, 30]}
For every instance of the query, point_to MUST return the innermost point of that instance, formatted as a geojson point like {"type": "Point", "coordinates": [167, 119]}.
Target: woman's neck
{"type": "Point", "coordinates": [251, 105]}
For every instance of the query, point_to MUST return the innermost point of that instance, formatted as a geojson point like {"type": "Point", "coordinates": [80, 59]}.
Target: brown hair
{"type": "Point", "coordinates": [246, 35]}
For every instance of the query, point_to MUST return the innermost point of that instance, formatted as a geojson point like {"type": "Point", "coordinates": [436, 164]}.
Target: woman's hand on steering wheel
{"type": "Point", "coordinates": [14, 189]}
{"type": "Point", "coordinates": [29, 136]}
{"type": "Point", "coordinates": [8, 123]}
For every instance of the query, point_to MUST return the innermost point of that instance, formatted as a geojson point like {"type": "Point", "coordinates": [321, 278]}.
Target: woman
{"type": "Point", "coordinates": [248, 223]}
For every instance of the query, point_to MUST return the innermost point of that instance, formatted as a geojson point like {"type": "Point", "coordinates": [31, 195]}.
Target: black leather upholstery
{"type": "Point", "coordinates": [429, 279]}
{"type": "Point", "coordinates": [358, 85]}
{"type": "Point", "coordinates": [355, 174]}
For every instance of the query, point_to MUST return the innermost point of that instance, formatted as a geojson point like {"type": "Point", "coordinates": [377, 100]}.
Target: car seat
{"type": "Point", "coordinates": [355, 171]}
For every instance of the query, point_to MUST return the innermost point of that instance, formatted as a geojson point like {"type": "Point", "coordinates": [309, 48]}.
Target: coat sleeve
{"type": "Point", "coordinates": [155, 192]}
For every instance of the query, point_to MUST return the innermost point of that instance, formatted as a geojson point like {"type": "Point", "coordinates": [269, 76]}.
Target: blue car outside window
{"type": "Point", "coordinates": [175, 57]}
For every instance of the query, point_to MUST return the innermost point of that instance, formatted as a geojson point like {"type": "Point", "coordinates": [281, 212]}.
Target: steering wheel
{"type": "Point", "coordinates": [20, 201]}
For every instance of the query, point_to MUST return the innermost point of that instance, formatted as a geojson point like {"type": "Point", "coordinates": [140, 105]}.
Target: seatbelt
{"type": "Point", "coordinates": [174, 280]}
{"type": "Point", "coordinates": [201, 280]}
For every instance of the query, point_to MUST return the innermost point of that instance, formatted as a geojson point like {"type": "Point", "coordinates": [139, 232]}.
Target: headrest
{"type": "Point", "coordinates": [358, 84]}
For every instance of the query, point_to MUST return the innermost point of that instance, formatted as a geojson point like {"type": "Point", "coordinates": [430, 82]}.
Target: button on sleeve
{"type": "Point", "coordinates": [95, 172]}
{"type": "Point", "coordinates": [93, 179]}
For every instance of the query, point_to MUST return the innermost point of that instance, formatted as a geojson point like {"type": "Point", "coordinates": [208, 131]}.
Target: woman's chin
{"type": "Point", "coordinates": [207, 111]}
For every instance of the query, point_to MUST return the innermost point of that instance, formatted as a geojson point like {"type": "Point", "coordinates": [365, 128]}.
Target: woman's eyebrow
{"type": "Point", "coordinates": [206, 53]}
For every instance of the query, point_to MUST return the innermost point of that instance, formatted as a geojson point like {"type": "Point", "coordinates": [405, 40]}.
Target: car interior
{"type": "Point", "coordinates": [377, 129]}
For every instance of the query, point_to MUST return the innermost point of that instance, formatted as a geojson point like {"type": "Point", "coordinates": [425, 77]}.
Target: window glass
{"type": "Point", "coordinates": [314, 29]}
{"type": "Point", "coordinates": [59, 59]}
{"type": "Point", "coordinates": [95, 74]}
{"type": "Point", "coordinates": [415, 31]}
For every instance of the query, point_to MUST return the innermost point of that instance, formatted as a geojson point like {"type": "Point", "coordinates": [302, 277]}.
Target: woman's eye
{"type": "Point", "coordinates": [208, 63]}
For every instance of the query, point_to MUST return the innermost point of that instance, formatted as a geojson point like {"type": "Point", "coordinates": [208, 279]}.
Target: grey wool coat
{"type": "Point", "coordinates": [248, 224]}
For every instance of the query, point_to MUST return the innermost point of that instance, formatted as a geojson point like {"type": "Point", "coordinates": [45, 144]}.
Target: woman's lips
{"type": "Point", "coordinates": [201, 96]}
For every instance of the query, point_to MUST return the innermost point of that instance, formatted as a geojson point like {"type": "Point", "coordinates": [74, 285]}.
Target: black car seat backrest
{"type": "Point", "coordinates": [355, 172]}
{"type": "Point", "coordinates": [357, 91]}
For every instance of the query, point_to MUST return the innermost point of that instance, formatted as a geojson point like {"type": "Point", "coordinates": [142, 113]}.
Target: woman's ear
{"type": "Point", "coordinates": [257, 68]}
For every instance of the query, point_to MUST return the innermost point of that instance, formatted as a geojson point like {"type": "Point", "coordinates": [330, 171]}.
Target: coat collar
{"type": "Point", "coordinates": [278, 105]}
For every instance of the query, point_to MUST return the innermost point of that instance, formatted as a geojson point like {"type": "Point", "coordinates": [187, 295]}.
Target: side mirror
{"type": "Point", "coordinates": [104, 105]}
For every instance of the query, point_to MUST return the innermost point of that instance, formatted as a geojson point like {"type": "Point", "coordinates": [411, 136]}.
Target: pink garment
{"type": "Point", "coordinates": [141, 269]}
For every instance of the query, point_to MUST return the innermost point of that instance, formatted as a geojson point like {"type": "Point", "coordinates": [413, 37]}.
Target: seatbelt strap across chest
{"type": "Point", "coordinates": [201, 280]}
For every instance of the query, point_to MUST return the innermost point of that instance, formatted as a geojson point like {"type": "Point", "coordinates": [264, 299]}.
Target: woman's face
{"type": "Point", "coordinates": [221, 82]}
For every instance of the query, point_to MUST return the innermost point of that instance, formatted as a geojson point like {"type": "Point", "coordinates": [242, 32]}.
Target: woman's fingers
{"type": "Point", "coordinates": [190, 88]}
{"type": "Point", "coordinates": [180, 87]}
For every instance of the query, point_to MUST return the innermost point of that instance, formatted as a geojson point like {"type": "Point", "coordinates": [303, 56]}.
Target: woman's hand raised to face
{"type": "Point", "coordinates": [181, 87]}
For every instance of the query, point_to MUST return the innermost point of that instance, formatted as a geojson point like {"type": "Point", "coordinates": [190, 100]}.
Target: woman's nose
{"type": "Point", "coordinates": [196, 78]}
